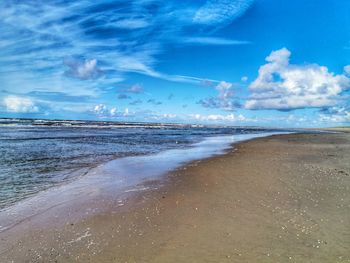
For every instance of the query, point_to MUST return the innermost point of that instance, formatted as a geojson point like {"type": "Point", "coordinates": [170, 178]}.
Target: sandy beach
{"type": "Point", "coordinates": [283, 198]}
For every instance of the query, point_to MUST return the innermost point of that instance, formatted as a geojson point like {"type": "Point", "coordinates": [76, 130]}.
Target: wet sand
{"type": "Point", "coordinates": [284, 198]}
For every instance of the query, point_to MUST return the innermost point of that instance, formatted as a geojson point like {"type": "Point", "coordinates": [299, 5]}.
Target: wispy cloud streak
{"type": "Point", "coordinates": [119, 36]}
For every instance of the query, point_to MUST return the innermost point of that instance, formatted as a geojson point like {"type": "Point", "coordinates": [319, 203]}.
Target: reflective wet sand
{"type": "Point", "coordinates": [278, 199]}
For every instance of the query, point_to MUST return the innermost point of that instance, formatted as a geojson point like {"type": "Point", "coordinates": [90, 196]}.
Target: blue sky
{"type": "Point", "coordinates": [234, 62]}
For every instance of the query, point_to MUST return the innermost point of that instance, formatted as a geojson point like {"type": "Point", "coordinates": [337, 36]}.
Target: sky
{"type": "Point", "coordinates": [274, 63]}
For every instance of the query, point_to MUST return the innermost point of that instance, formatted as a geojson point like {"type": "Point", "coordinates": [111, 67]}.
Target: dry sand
{"type": "Point", "coordinates": [278, 199]}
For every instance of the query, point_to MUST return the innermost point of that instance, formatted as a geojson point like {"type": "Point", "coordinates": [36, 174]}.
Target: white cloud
{"type": "Point", "coordinates": [131, 23]}
{"type": "Point", "coordinates": [225, 90]}
{"type": "Point", "coordinates": [103, 111]}
{"type": "Point", "coordinates": [218, 117]}
{"type": "Point", "coordinates": [19, 104]}
{"type": "Point", "coordinates": [113, 111]}
{"type": "Point", "coordinates": [83, 70]}
{"type": "Point", "coordinates": [224, 99]}
{"type": "Point", "coordinates": [100, 109]}
{"type": "Point", "coordinates": [169, 116]}
{"type": "Point", "coordinates": [336, 114]}
{"type": "Point", "coordinates": [214, 41]}
{"type": "Point", "coordinates": [136, 88]}
{"type": "Point", "coordinates": [244, 78]}
{"type": "Point", "coordinates": [34, 40]}
{"type": "Point", "coordinates": [347, 70]}
{"type": "Point", "coordinates": [215, 12]}
{"type": "Point", "coordinates": [284, 86]}
{"type": "Point", "coordinates": [126, 112]}
{"type": "Point", "coordinates": [335, 118]}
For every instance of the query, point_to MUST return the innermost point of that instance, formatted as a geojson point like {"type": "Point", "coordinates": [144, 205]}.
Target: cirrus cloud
{"type": "Point", "coordinates": [215, 12]}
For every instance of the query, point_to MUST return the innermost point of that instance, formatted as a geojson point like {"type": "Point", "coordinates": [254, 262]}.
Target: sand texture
{"type": "Point", "coordinates": [278, 199]}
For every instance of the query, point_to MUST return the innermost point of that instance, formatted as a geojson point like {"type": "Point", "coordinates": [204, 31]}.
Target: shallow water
{"type": "Point", "coordinates": [37, 154]}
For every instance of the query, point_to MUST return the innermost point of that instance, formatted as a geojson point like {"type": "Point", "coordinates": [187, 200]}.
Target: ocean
{"type": "Point", "coordinates": [36, 155]}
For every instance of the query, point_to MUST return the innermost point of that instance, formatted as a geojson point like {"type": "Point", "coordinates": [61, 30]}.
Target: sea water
{"type": "Point", "coordinates": [36, 155]}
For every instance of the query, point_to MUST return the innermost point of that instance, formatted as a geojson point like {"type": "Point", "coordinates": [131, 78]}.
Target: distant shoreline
{"type": "Point", "coordinates": [337, 129]}
{"type": "Point", "coordinates": [53, 122]}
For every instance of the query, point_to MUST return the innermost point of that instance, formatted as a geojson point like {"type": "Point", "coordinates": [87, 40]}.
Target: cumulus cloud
{"type": "Point", "coordinates": [335, 114]}
{"type": "Point", "coordinates": [19, 104]}
{"type": "Point", "coordinates": [216, 103]}
{"type": "Point", "coordinates": [284, 86]}
{"type": "Point", "coordinates": [113, 112]}
{"type": "Point", "coordinates": [218, 117]}
{"type": "Point", "coordinates": [126, 112]}
{"type": "Point", "coordinates": [82, 69]}
{"type": "Point", "coordinates": [103, 111]}
{"type": "Point", "coordinates": [100, 109]}
{"type": "Point", "coordinates": [224, 100]}
{"type": "Point", "coordinates": [347, 70]}
{"type": "Point", "coordinates": [225, 90]}
{"type": "Point", "coordinates": [149, 115]}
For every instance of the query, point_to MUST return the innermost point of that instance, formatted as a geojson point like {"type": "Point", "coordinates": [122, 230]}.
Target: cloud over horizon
{"type": "Point", "coordinates": [18, 104]}
{"type": "Point", "coordinates": [281, 85]}
{"type": "Point", "coordinates": [335, 114]}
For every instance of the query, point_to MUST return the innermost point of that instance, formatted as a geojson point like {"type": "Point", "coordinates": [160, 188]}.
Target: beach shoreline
{"type": "Point", "coordinates": [263, 201]}
{"type": "Point", "coordinates": [116, 179]}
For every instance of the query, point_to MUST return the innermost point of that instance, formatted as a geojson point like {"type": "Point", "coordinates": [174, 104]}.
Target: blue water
{"type": "Point", "coordinates": [36, 154]}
